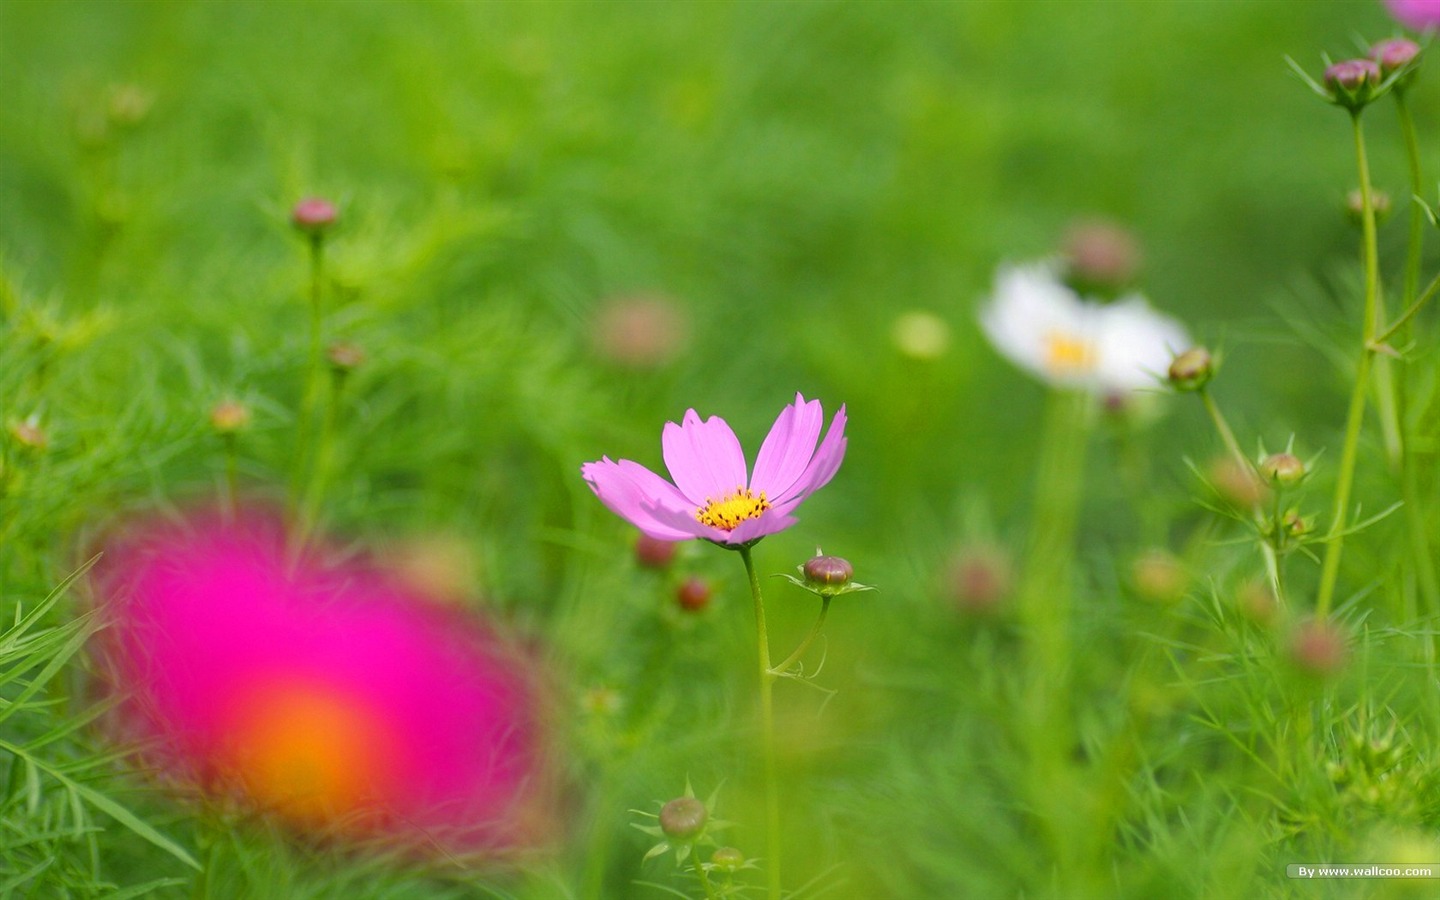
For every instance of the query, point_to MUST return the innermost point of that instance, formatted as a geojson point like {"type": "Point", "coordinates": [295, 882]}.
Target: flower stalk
{"type": "Point", "coordinates": [767, 731]}
{"type": "Point", "coordinates": [1355, 417]}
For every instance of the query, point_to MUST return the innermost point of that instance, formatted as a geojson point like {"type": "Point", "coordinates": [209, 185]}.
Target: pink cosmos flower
{"type": "Point", "coordinates": [1415, 14]}
{"type": "Point", "coordinates": [713, 496]}
{"type": "Point", "coordinates": [323, 692]}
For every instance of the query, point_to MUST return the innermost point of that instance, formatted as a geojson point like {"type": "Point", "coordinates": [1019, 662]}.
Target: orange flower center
{"type": "Point", "coordinates": [1068, 355]}
{"type": "Point", "coordinates": [309, 751]}
{"type": "Point", "coordinates": [732, 509]}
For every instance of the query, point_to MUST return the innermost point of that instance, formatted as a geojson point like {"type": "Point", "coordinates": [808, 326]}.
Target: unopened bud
{"type": "Point", "coordinates": [1236, 482]}
{"type": "Point", "coordinates": [1192, 369]}
{"type": "Point", "coordinates": [1294, 524]}
{"type": "Point", "coordinates": [29, 434]}
{"type": "Point", "coordinates": [1318, 648]}
{"type": "Point", "coordinates": [727, 859]}
{"type": "Point", "coordinates": [344, 357]}
{"type": "Point", "coordinates": [1394, 54]}
{"type": "Point", "coordinates": [1282, 468]}
{"type": "Point", "coordinates": [828, 571]}
{"type": "Point", "coordinates": [1101, 256]}
{"type": "Point", "coordinates": [1256, 602]}
{"type": "Point", "coordinates": [229, 416]}
{"type": "Point", "coordinates": [640, 332]}
{"type": "Point", "coordinates": [1355, 206]}
{"type": "Point", "coordinates": [653, 553]}
{"type": "Point", "coordinates": [313, 215]}
{"type": "Point", "coordinates": [683, 819]}
{"type": "Point", "coordinates": [693, 594]}
{"type": "Point", "coordinates": [1159, 576]}
{"type": "Point", "coordinates": [128, 104]}
{"type": "Point", "coordinates": [1351, 83]}
{"type": "Point", "coordinates": [980, 580]}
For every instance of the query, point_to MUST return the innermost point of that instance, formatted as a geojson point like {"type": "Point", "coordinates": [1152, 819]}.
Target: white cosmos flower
{"type": "Point", "coordinates": [1041, 325]}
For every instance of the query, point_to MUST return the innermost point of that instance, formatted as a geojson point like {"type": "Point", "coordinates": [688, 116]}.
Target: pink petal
{"type": "Point", "coordinates": [704, 458]}
{"type": "Point", "coordinates": [630, 491]}
{"type": "Point", "coordinates": [686, 523]}
{"type": "Point", "coordinates": [822, 468]}
{"type": "Point", "coordinates": [769, 522]}
{"type": "Point", "coordinates": [788, 447]}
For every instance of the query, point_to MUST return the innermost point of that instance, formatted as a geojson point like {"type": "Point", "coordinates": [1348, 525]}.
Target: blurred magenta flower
{"type": "Point", "coordinates": [712, 497]}
{"type": "Point", "coordinates": [1419, 15]}
{"type": "Point", "coordinates": [322, 691]}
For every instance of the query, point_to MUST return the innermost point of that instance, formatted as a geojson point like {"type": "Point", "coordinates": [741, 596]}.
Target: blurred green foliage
{"type": "Point", "coordinates": [795, 176]}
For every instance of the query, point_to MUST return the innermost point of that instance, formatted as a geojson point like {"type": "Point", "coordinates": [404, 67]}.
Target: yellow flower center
{"type": "Point", "coordinates": [1068, 355]}
{"type": "Point", "coordinates": [732, 509]}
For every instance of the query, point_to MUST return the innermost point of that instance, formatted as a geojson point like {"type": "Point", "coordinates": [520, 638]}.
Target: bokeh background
{"type": "Point", "coordinates": [790, 178]}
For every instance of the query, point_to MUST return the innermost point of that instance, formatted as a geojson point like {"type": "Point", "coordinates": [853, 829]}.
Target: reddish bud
{"type": "Point", "coordinates": [693, 594]}
{"type": "Point", "coordinates": [1395, 53]}
{"type": "Point", "coordinates": [1100, 254]}
{"type": "Point", "coordinates": [653, 553]}
{"type": "Point", "coordinates": [683, 819]}
{"type": "Point", "coordinates": [980, 580]}
{"type": "Point", "coordinates": [645, 332]}
{"type": "Point", "coordinates": [313, 215]}
{"type": "Point", "coordinates": [1282, 468]}
{"type": "Point", "coordinates": [344, 357]}
{"type": "Point", "coordinates": [229, 416]}
{"type": "Point", "coordinates": [1318, 648]}
{"type": "Point", "coordinates": [828, 571]}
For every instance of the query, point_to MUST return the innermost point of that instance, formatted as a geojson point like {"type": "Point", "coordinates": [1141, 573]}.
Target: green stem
{"type": "Point", "coordinates": [767, 731]}
{"type": "Point", "coordinates": [316, 363]}
{"type": "Point", "coordinates": [700, 871]}
{"type": "Point", "coordinates": [324, 455]}
{"type": "Point", "coordinates": [1226, 435]}
{"type": "Point", "coordinates": [232, 480]}
{"type": "Point", "coordinates": [1410, 490]}
{"type": "Point", "coordinates": [779, 670]}
{"type": "Point", "coordinates": [1355, 418]}
{"type": "Point", "coordinates": [1045, 608]}
{"type": "Point", "coordinates": [1409, 313]}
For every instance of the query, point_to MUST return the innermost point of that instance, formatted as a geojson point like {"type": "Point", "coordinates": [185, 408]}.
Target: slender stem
{"type": "Point", "coordinates": [1410, 491]}
{"type": "Point", "coordinates": [1226, 435]}
{"type": "Point", "coordinates": [1268, 549]}
{"type": "Point", "coordinates": [231, 475]}
{"type": "Point", "coordinates": [700, 871]}
{"type": "Point", "coordinates": [316, 362]}
{"type": "Point", "coordinates": [1409, 313]}
{"type": "Point", "coordinates": [1045, 600]}
{"type": "Point", "coordinates": [1335, 539]}
{"type": "Point", "coordinates": [767, 731]}
{"type": "Point", "coordinates": [1415, 250]}
{"type": "Point", "coordinates": [790, 660]}
{"type": "Point", "coordinates": [324, 454]}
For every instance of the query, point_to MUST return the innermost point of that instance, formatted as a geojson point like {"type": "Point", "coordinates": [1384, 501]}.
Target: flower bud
{"type": "Point", "coordinates": [1318, 648]}
{"type": "Point", "coordinates": [653, 553]}
{"type": "Point", "coordinates": [683, 819]}
{"type": "Point", "coordinates": [1282, 469]}
{"type": "Point", "coordinates": [727, 859]}
{"type": "Point", "coordinates": [1101, 256]}
{"type": "Point", "coordinates": [693, 594]}
{"type": "Point", "coordinates": [1256, 602]}
{"type": "Point", "coordinates": [344, 357]}
{"type": "Point", "coordinates": [1351, 83]}
{"type": "Point", "coordinates": [313, 215]}
{"type": "Point", "coordinates": [1393, 54]}
{"type": "Point", "coordinates": [229, 416]}
{"type": "Point", "coordinates": [1236, 482]}
{"type": "Point", "coordinates": [827, 571]}
{"type": "Point", "coordinates": [1355, 206]}
{"type": "Point", "coordinates": [128, 104]}
{"type": "Point", "coordinates": [1159, 576]}
{"type": "Point", "coordinates": [1192, 369]}
{"type": "Point", "coordinates": [1294, 524]}
{"type": "Point", "coordinates": [29, 435]}
{"type": "Point", "coordinates": [640, 332]}
{"type": "Point", "coordinates": [980, 580]}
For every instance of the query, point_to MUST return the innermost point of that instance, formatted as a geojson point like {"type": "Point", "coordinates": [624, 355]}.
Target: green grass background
{"type": "Point", "coordinates": [794, 174]}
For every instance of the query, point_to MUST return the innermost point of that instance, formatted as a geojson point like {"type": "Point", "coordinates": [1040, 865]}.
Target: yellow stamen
{"type": "Point", "coordinates": [1068, 355]}
{"type": "Point", "coordinates": [732, 509]}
